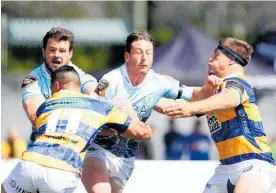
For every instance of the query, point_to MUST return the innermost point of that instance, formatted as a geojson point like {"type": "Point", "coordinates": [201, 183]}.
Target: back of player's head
{"type": "Point", "coordinates": [60, 34]}
{"type": "Point", "coordinates": [65, 75]}
{"type": "Point", "coordinates": [138, 35]}
{"type": "Point", "coordinates": [240, 47]}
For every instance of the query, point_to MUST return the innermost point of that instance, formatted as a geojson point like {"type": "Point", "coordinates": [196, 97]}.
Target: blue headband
{"type": "Point", "coordinates": [232, 55]}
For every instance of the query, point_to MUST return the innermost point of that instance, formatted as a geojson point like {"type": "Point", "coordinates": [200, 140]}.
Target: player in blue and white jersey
{"type": "Point", "coordinates": [57, 51]}
{"type": "Point", "coordinates": [110, 160]}
{"type": "Point", "coordinates": [66, 124]}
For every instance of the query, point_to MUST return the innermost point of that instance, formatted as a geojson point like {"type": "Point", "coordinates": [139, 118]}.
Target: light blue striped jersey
{"type": "Point", "coordinates": [143, 98]}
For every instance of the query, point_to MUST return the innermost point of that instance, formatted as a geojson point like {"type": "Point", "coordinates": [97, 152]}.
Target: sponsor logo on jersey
{"type": "Point", "coordinates": [29, 80]}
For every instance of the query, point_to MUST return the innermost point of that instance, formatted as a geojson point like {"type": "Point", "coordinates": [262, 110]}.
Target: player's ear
{"type": "Point", "coordinates": [126, 55]}
{"type": "Point", "coordinates": [231, 62]}
{"type": "Point", "coordinates": [55, 87]}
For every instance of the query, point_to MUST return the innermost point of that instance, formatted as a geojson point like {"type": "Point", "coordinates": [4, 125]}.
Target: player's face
{"type": "Point", "coordinates": [218, 64]}
{"type": "Point", "coordinates": [140, 57]}
{"type": "Point", "coordinates": [56, 54]}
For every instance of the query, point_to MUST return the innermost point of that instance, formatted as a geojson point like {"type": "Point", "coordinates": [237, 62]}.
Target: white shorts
{"type": "Point", "coordinates": [226, 176]}
{"type": "Point", "coordinates": [30, 177]}
{"type": "Point", "coordinates": [119, 169]}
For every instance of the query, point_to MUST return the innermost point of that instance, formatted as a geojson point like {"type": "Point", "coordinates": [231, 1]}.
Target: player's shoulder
{"type": "Point", "coordinates": [113, 75]}
{"type": "Point", "coordinates": [238, 79]}
{"type": "Point", "coordinates": [32, 77]}
{"type": "Point", "coordinates": [161, 77]}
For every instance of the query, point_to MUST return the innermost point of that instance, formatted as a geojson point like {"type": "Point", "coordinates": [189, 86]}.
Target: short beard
{"type": "Point", "coordinates": [48, 67]}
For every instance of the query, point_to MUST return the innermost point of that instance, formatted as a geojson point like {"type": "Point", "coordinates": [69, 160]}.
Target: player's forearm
{"type": "Point", "coordinates": [200, 93]}
{"type": "Point", "coordinates": [30, 106]}
{"type": "Point", "coordinates": [162, 104]}
{"type": "Point", "coordinates": [216, 103]}
{"type": "Point", "coordinates": [138, 130]}
{"type": "Point", "coordinates": [30, 112]}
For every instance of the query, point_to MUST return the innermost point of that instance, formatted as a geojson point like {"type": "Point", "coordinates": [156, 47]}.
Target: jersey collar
{"type": "Point", "coordinates": [233, 74]}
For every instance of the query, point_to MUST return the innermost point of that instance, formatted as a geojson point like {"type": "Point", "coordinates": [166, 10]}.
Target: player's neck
{"type": "Point", "coordinates": [136, 78]}
{"type": "Point", "coordinates": [234, 70]}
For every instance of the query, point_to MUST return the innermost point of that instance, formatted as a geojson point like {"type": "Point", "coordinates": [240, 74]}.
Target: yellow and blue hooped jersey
{"type": "Point", "coordinates": [66, 125]}
{"type": "Point", "coordinates": [238, 133]}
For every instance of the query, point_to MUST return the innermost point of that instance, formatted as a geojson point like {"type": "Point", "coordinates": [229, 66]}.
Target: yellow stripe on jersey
{"type": "Point", "coordinates": [42, 119]}
{"type": "Point", "coordinates": [67, 140]}
{"type": "Point", "coordinates": [48, 161]}
{"type": "Point", "coordinates": [93, 119]}
{"type": "Point", "coordinates": [237, 146]}
{"type": "Point", "coordinates": [116, 116]}
{"type": "Point", "coordinates": [262, 142]}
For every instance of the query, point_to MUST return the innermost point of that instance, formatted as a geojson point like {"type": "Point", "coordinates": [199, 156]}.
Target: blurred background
{"type": "Point", "coordinates": [186, 34]}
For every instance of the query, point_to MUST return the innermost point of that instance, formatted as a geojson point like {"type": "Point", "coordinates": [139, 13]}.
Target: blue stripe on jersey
{"type": "Point", "coordinates": [246, 128]}
{"type": "Point", "coordinates": [75, 102]}
{"type": "Point", "coordinates": [249, 89]}
{"type": "Point", "coordinates": [248, 156]}
{"type": "Point", "coordinates": [232, 128]}
{"type": "Point", "coordinates": [58, 152]}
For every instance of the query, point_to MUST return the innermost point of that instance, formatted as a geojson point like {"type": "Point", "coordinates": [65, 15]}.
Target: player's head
{"type": "Point", "coordinates": [230, 56]}
{"type": "Point", "coordinates": [57, 48]}
{"type": "Point", "coordinates": [65, 78]}
{"type": "Point", "coordinates": [139, 51]}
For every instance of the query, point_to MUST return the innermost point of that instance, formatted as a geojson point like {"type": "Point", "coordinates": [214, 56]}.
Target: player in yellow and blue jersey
{"type": "Point", "coordinates": [235, 124]}
{"type": "Point", "coordinates": [66, 125]}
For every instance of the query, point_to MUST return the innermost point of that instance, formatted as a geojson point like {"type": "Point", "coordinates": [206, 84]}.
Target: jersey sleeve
{"type": "Point", "coordinates": [30, 87]}
{"type": "Point", "coordinates": [235, 84]}
{"type": "Point", "coordinates": [118, 120]}
{"type": "Point", "coordinates": [85, 79]}
{"type": "Point", "coordinates": [174, 90]}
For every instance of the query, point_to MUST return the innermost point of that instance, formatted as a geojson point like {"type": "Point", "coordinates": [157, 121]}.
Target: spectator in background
{"type": "Point", "coordinates": [199, 143]}
{"type": "Point", "coordinates": [176, 144]}
{"type": "Point", "coordinates": [14, 146]}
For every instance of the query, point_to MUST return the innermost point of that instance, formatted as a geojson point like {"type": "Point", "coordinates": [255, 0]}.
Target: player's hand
{"type": "Point", "coordinates": [212, 83]}
{"type": "Point", "coordinates": [181, 108]}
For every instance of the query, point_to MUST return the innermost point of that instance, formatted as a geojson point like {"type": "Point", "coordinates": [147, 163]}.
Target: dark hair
{"type": "Point", "coordinates": [62, 69]}
{"type": "Point", "coordinates": [60, 34]}
{"type": "Point", "coordinates": [138, 35]}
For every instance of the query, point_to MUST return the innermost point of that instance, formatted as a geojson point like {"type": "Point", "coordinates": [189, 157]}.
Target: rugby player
{"type": "Point", "coordinates": [57, 51]}
{"type": "Point", "coordinates": [110, 160]}
{"type": "Point", "coordinates": [66, 124]}
{"type": "Point", "coordinates": [235, 124]}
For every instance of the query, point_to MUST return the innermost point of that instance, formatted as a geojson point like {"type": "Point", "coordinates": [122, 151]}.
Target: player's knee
{"type": "Point", "coordinates": [102, 187]}
{"type": "Point", "coordinates": [250, 184]}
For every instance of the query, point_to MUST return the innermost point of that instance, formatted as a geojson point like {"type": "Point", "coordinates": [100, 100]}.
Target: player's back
{"type": "Point", "coordinates": [67, 123]}
{"type": "Point", "coordinates": [238, 132]}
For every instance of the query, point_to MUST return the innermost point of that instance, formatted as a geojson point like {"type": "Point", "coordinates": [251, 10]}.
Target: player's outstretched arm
{"type": "Point", "coordinates": [212, 82]}
{"type": "Point", "coordinates": [227, 99]}
{"type": "Point", "coordinates": [162, 104]}
{"type": "Point", "coordinates": [138, 130]}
